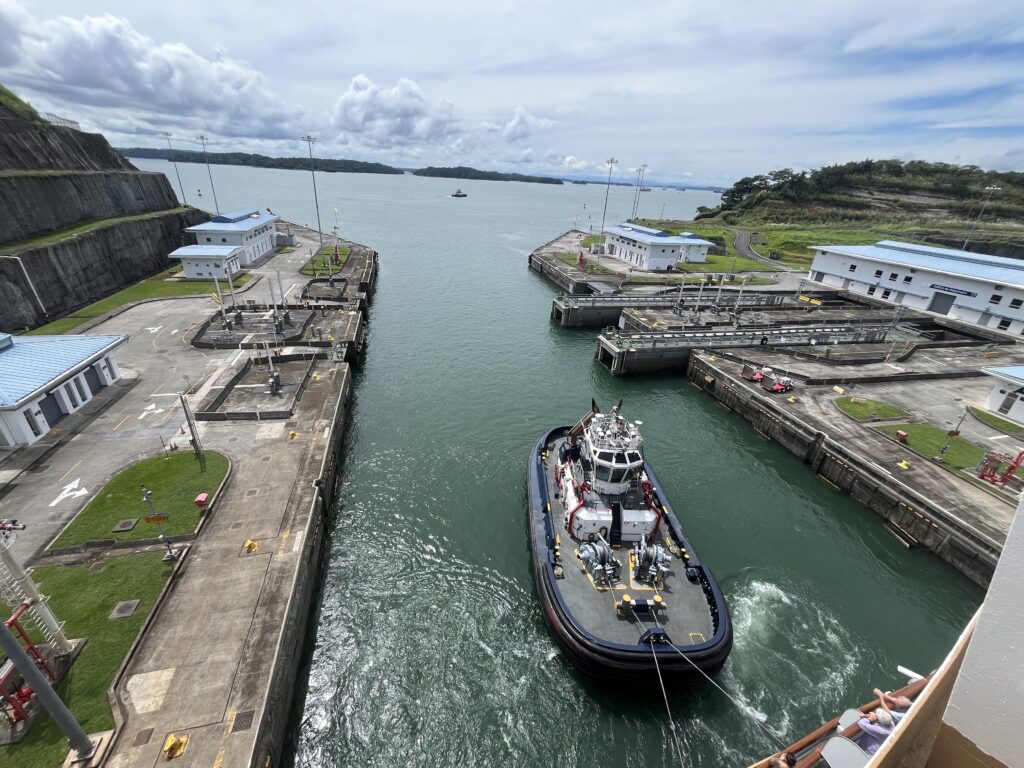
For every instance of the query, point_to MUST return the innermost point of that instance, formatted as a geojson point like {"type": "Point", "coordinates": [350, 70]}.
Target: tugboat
{"type": "Point", "coordinates": [623, 591]}
{"type": "Point", "coordinates": [459, 193]}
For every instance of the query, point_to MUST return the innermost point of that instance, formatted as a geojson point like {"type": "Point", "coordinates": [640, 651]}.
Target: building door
{"type": "Point", "coordinates": [50, 407]}
{"type": "Point", "coordinates": [985, 318]}
{"type": "Point", "coordinates": [93, 379]}
{"type": "Point", "coordinates": [941, 303]}
{"type": "Point", "coordinates": [846, 283]}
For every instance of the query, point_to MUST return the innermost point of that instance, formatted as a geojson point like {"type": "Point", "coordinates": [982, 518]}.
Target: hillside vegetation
{"type": "Point", "coordinates": [9, 100]}
{"type": "Point", "coordinates": [259, 161]}
{"type": "Point", "coordinates": [873, 191]}
{"type": "Point", "coordinates": [464, 172]}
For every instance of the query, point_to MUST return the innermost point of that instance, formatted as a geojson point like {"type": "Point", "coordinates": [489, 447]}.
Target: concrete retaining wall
{"type": "Point", "coordinates": [967, 550]}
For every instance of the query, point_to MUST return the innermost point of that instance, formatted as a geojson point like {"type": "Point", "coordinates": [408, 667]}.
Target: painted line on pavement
{"type": "Point", "coordinates": [122, 421]}
{"type": "Point", "coordinates": [69, 471]}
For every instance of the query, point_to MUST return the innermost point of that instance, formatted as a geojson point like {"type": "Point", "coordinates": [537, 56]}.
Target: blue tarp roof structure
{"type": "Point", "coordinates": [242, 224]}
{"type": "Point", "coordinates": [204, 251]}
{"type": "Point", "coordinates": [242, 213]}
{"type": "Point", "coordinates": [980, 266]}
{"type": "Point", "coordinates": [30, 363]}
{"type": "Point", "coordinates": [654, 236]}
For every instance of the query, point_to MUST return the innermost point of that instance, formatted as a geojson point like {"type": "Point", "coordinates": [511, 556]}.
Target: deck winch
{"type": "Point", "coordinates": [599, 560]}
{"type": "Point", "coordinates": [651, 561]}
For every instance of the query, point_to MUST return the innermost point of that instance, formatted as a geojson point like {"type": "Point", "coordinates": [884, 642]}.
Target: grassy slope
{"type": "Point", "coordinates": [869, 409]}
{"type": "Point", "coordinates": [1003, 425]}
{"type": "Point", "coordinates": [63, 234]}
{"type": "Point", "coordinates": [174, 479]}
{"type": "Point", "coordinates": [83, 599]}
{"type": "Point", "coordinates": [928, 440]}
{"type": "Point", "coordinates": [319, 263]}
{"type": "Point", "coordinates": [12, 102]}
{"type": "Point", "coordinates": [155, 287]}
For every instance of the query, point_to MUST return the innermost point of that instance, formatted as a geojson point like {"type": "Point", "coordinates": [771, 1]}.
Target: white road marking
{"type": "Point", "coordinates": [150, 410]}
{"type": "Point", "coordinates": [154, 329]}
{"type": "Point", "coordinates": [1001, 437]}
{"type": "Point", "coordinates": [174, 331]}
{"type": "Point", "coordinates": [235, 358]}
{"type": "Point", "coordinates": [291, 288]}
{"type": "Point", "coordinates": [165, 394]}
{"type": "Point", "coordinates": [70, 491]}
{"type": "Point", "coordinates": [297, 544]}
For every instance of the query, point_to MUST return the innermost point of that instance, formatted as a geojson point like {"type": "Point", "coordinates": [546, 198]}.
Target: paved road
{"type": "Point", "coordinates": [742, 243]}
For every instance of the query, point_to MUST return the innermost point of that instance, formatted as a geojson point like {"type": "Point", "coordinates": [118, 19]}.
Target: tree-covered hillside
{"type": "Point", "coordinates": [872, 191]}
{"type": "Point", "coordinates": [260, 161]}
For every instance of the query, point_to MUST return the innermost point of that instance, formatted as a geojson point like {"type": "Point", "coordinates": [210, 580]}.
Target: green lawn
{"type": "Point", "coordinates": [174, 479]}
{"type": "Point", "coordinates": [1004, 426]}
{"type": "Point", "coordinates": [928, 440]}
{"type": "Point", "coordinates": [590, 240]}
{"type": "Point", "coordinates": [725, 264]}
{"type": "Point", "coordinates": [63, 234]}
{"type": "Point", "coordinates": [863, 409]}
{"type": "Point", "coordinates": [319, 263]}
{"type": "Point", "coordinates": [794, 245]}
{"type": "Point", "coordinates": [151, 288]}
{"type": "Point", "coordinates": [83, 599]}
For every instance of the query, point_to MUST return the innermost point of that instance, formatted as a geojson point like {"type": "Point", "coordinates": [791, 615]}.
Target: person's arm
{"type": "Point", "coordinates": [873, 728]}
{"type": "Point", "coordinates": [882, 700]}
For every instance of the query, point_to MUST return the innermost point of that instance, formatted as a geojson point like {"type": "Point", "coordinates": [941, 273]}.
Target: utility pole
{"type": "Point", "coordinates": [611, 162]}
{"type": "Point", "coordinates": [175, 164]}
{"type": "Point", "coordinates": [953, 432]}
{"type": "Point", "coordinates": [310, 141]}
{"type": "Point", "coordinates": [990, 189]}
{"type": "Point", "coordinates": [206, 157]}
{"type": "Point", "coordinates": [640, 173]}
{"type": "Point", "coordinates": [147, 497]}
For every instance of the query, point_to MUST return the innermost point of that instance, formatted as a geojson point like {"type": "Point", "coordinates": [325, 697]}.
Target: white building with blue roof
{"type": "Point", "coordinates": [249, 228]}
{"type": "Point", "coordinates": [971, 287]}
{"type": "Point", "coordinates": [650, 249]}
{"type": "Point", "coordinates": [43, 379]}
{"type": "Point", "coordinates": [206, 261]}
{"type": "Point", "coordinates": [1007, 396]}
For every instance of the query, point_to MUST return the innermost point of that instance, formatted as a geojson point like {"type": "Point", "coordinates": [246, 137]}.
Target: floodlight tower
{"type": "Point", "coordinates": [990, 189]}
{"type": "Point", "coordinates": [611, 163]}
{"type": "Point", "coordinates": [206, 157]}
{"type": "Point", "coordinates": [311, 140]}
{"type": "Point", "coordinates": [175, 164]}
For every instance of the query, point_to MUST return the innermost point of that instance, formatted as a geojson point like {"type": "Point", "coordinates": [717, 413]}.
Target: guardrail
{"type": "Point", "coordinates": [63, 122]}
{"type": "Point", "coordinates": [750, 336]}
{"type": "Point", "coordinates": [672, 300]}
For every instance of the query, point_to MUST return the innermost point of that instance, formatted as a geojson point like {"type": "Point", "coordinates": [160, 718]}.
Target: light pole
{"type": "Point", "coordinates": [206, 157]}
{"type": "Point", "coordinates": [949, 442]}
{"type": "Point", "coordinates": [311, 140]}
{"type": "Point", "coordinates": [611, 162]}
{"type": "Point", "coordinates": [175, 164]}
{"type": "Point", "coordinates": [990, 189]}
{"type": "Point", "coordinates": [640, 172]}
{"type": "Point", "coordinates": [147, 496]}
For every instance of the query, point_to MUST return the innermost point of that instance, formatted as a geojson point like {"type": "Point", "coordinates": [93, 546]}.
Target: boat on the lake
{"type": "Point", "coordinates": [622, 589]}
{"type": "Point", "coordinates": [459, 193]}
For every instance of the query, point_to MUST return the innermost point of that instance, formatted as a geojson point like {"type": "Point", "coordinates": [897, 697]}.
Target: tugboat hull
{"type": "Point", "coordinates": [600, 657]}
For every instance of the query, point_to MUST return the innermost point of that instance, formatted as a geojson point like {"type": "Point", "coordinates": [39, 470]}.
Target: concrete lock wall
{"type": "Point", "coordinates": [914, 514]}
{"type": "Point", "coordinates": [277, 708]}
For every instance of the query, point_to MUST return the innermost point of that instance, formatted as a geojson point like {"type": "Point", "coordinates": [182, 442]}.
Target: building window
{"type": "Point", "coordinates": [1003, 324]}
{"type": "Point", "coordinates": [32, 423]}
{"type": "Point", "coordinates": [223, 239]}
{"type": "Point", "coordinates": [885, 294]}
{"type": "Point", "coordinates": [853, 267]}
{"type": "Point", "coordinates": [995, 298]}
{"type": "Point", "coordinates": [207, 239]}
{"type": "Point", "coordinates": [71, 395]}
{"type": "Point", "coordinates": [893, 275]}
{"type": "Point", "coordinates": [878, 273]}
{"type": "Point", "coordinates": [81, 390]}
{"type": "Point", "coordinates": [1015, 303]}
{"type": "Point", "coordinates": [907, 279]}
{"type": "Point", "coordinates": [871, 290]}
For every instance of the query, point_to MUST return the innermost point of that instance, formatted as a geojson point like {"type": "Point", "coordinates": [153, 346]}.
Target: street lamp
{"type": "Point", "coordinates": [611, 162]}
{"type": "Point", "coordinates": [952, 433]}
{"type": "Point", "coordinates": [310, 141]}
{"type": "Point", "coordinates": [990, 189]}
{"type": "Point", "coordinates": [206, 157]}
{"type": "Point", "coordinates": [175, 164]}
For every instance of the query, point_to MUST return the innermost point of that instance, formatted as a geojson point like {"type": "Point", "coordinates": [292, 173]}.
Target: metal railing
{"type": "Point", "coordinates": [61, 121]}
{"type": "Point", "coordinates": [672, 300]}
{"type": "Point", "coordinates": [748, 336]}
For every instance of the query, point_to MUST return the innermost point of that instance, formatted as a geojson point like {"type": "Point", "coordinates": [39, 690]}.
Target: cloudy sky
{"type": "Point", "coordinates": [701, 92]}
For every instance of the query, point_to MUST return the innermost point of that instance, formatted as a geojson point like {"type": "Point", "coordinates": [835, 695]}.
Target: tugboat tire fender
{"type": "Point", "coordinates": [603, 532]}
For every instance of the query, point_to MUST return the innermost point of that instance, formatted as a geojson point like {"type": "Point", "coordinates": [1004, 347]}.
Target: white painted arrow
{"type": "Point", "coordinates": [150, 410]}
{"type": "Point", "coordinates": [70, 491]}
{"type": "Point", "coordinates": [154, 329]}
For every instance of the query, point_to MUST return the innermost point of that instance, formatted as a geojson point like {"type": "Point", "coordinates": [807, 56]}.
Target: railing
{"type": "Point", "coordinates": [63, 122]}
{"type": "Point", "coordinates": [672, 300]}
{"type": "Point", "coordinates": [749, 336]}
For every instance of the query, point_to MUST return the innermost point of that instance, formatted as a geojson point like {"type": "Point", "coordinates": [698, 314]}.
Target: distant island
{"type": "Point", "coordinates": [259, 161]}
{"type": "Point", "coordinates": [463, 172]}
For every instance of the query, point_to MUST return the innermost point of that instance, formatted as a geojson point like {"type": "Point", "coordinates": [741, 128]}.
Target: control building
{"type": "Point", "coordinates": [249, 228]}
{"type": "Point", "coordinates": [970, 287]}
{"type": "Point", "coordinates": [653, 249]}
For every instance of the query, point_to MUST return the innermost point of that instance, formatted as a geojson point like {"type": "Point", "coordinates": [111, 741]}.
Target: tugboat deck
{"type": "Point", "coordinates": [686, 616]}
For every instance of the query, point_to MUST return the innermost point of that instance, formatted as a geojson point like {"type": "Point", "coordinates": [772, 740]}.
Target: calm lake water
{"type": "Point", "coordinates": [429, 648]}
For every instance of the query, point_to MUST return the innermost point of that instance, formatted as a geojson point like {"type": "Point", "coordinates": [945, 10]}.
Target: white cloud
{"type": "Point", "coordinates": [523, 124]}
{"type": "Point", "coordinates": [395, 116]}
{"type": "Point", "coordinates": [572, 163]}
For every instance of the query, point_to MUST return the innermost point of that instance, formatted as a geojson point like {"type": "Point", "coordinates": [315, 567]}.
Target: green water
{"type": "Point", "coordinates": [429, 648]}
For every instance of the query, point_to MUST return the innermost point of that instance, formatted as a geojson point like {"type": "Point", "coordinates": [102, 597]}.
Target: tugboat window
{"type": "Point", "coordinates": [602, 473]}
{"type": "Point", "coordinates": [605, 456]}
{"type": "Point", "coordinates": [620, 458]}
{"type": "Point", "coordinates": [634, 456]}
{"type": "Point", "coordinates": [617, 475]}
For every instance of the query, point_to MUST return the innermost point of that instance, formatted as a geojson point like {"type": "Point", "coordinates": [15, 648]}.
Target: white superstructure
{"type": "Point", "coordinates": [653, 249]}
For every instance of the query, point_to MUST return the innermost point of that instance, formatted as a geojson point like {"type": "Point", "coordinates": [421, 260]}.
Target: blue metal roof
{"type": "Point", "coordinates": [233, 216]}
{"type": "Point", "coordinates": [644, 235]}
{"type": "Point", "coordinates": [979, 266]}
{"type": "Point", "coordinates": [30, 363]}
{"type": "Point", "coordinates": [1014, 373]}
{"type": "Point", "coordinates": [242, 225]}
{"type": "Point", "coordinates": [205, 251]}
